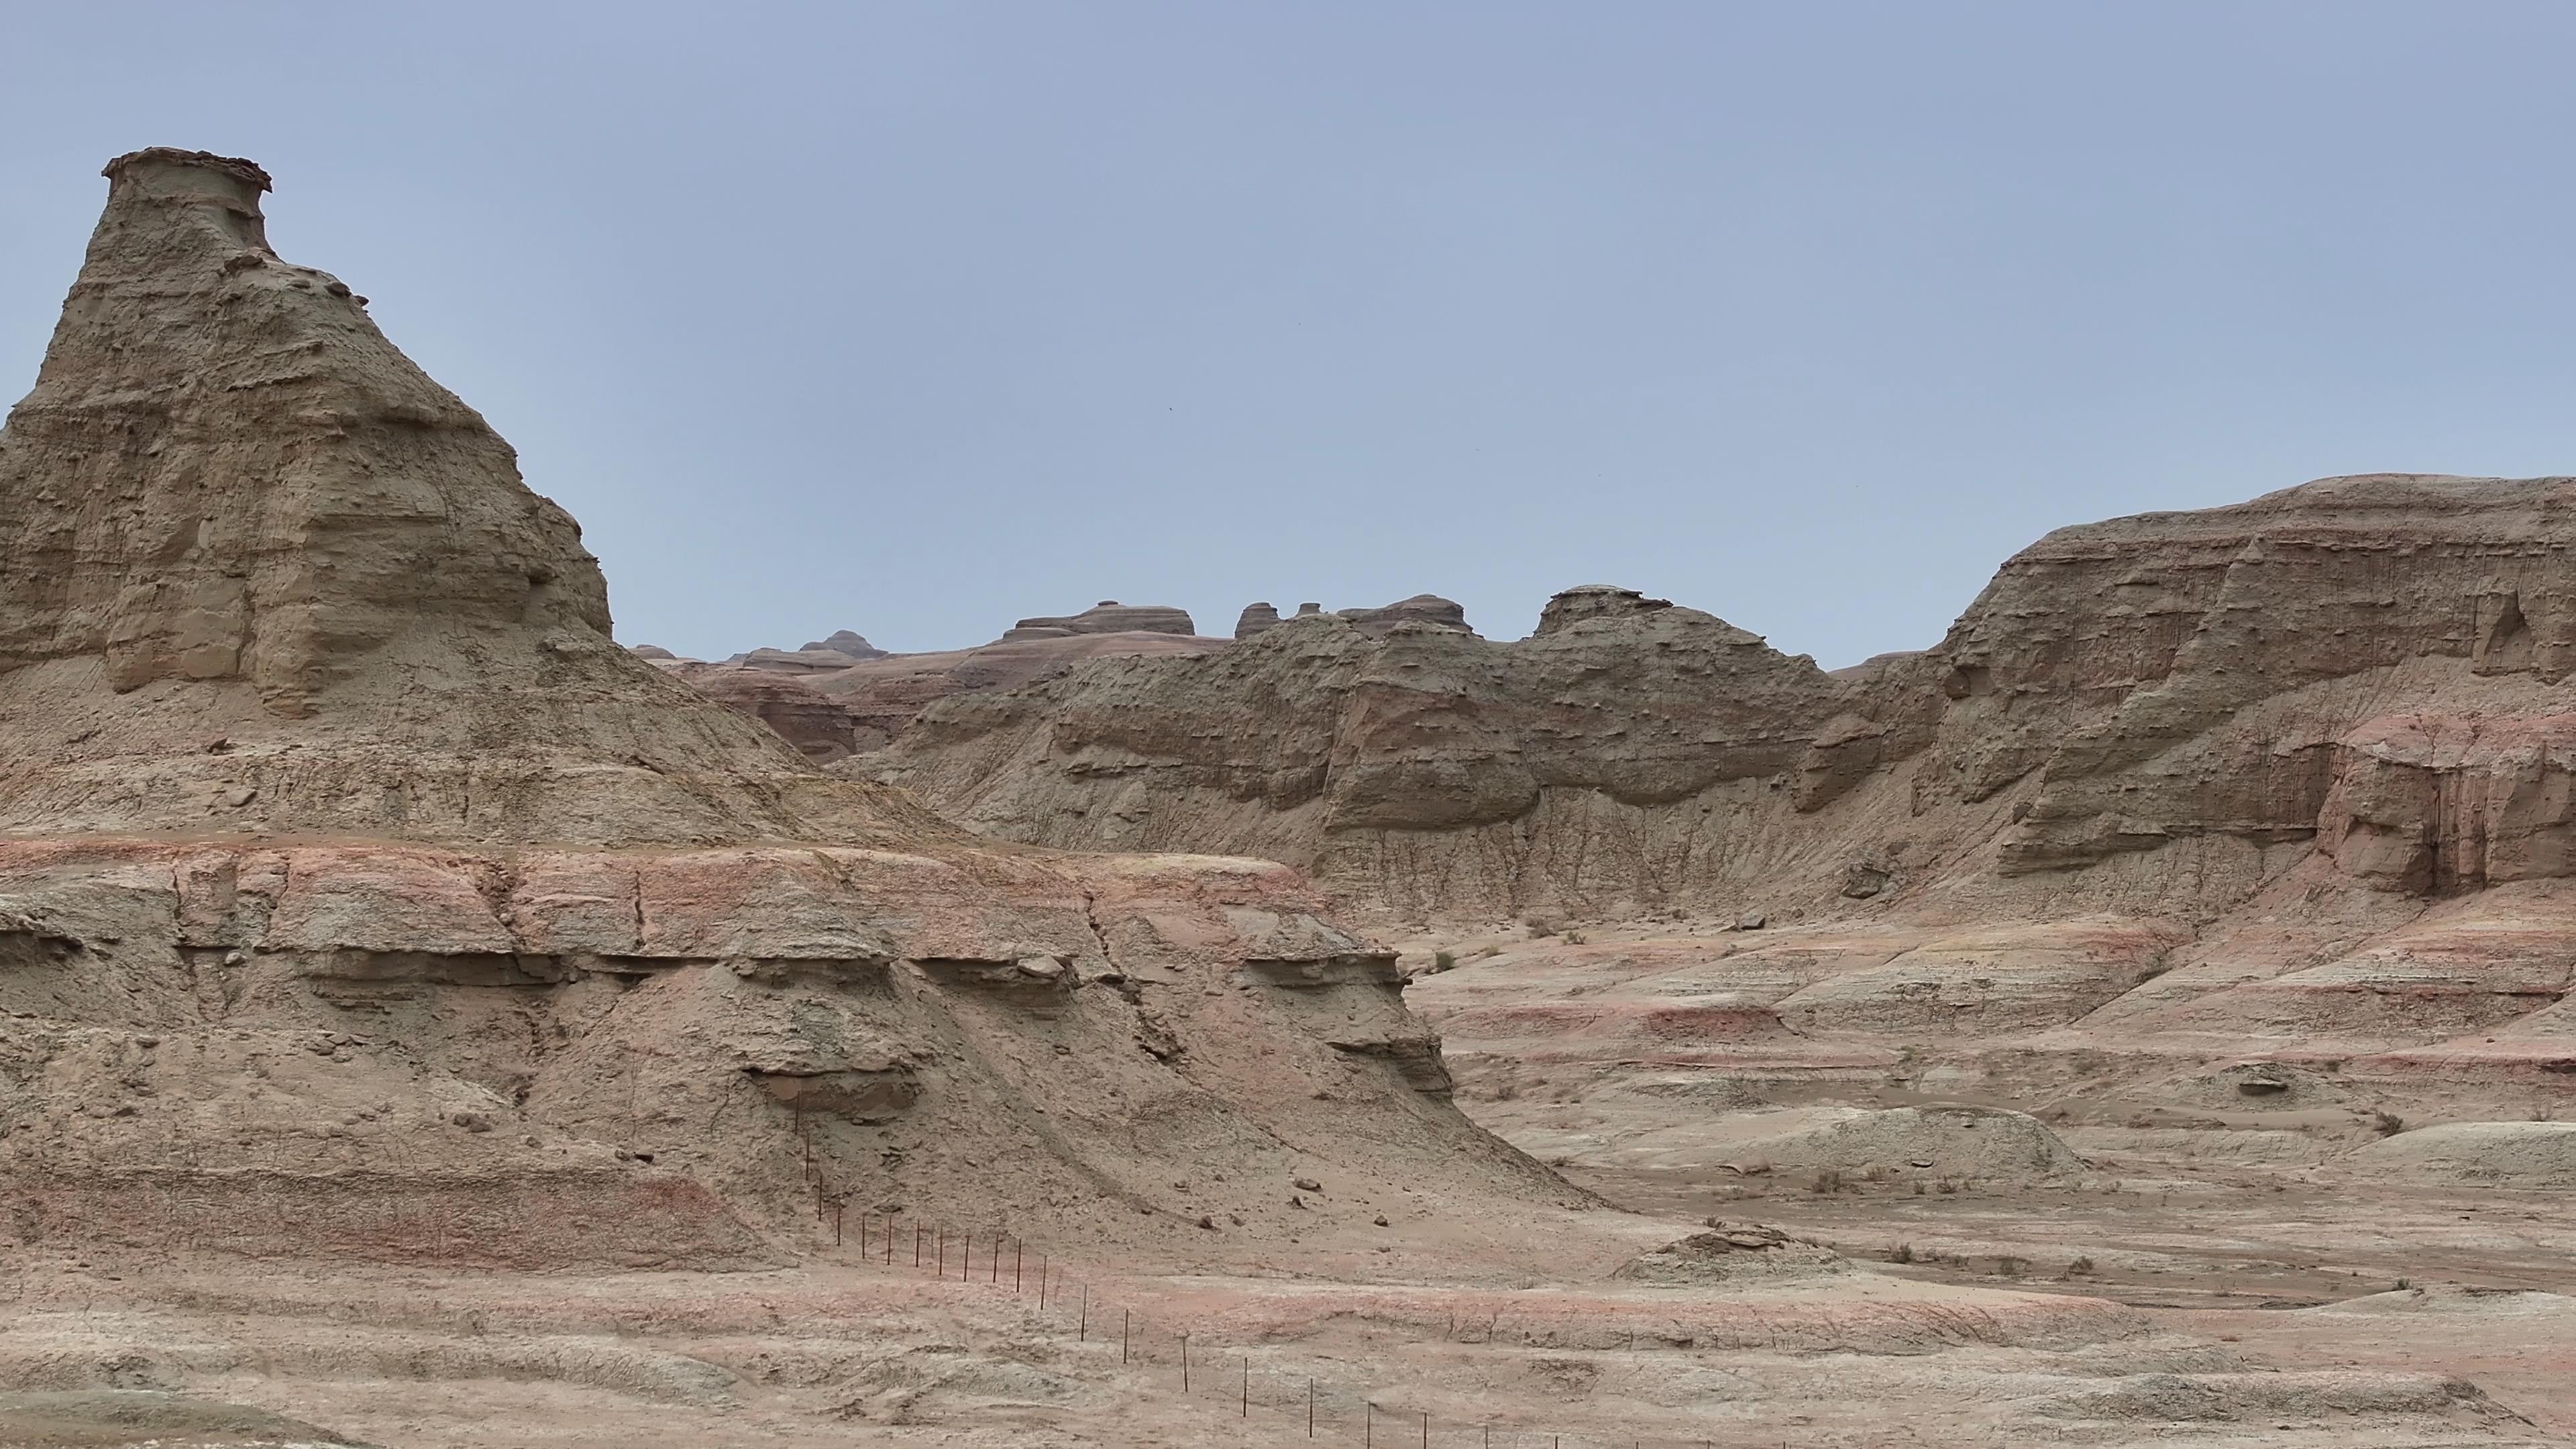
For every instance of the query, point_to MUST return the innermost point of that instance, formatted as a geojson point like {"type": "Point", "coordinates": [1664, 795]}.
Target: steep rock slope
{"type": "Point", "coordinates": [359, 896]}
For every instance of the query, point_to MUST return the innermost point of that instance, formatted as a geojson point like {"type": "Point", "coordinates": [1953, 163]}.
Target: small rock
{"type": "Point", "coordinates": [1297, 1202]}
{"type": "Point", "coordinates": [1381, 1220]}
{"type": "Point", "coordinates": [476, 1122]}
{"type": "Point", "coordinates": [1306, 1184]}
{"type": "Point", "coordinates": [1751, 921]}
{"type": "Point", "coordinates": [1043, 968]}
{"type": "Point", "coordinates": [1861, 880]}
{"type": "Point", "coordinates": [1208, 1223]}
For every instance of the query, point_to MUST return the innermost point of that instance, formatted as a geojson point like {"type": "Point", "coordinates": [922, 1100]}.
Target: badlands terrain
{"type": "Point", "coordinates": [427, 1022]}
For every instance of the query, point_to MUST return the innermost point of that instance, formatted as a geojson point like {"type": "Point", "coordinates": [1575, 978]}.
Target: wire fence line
{"type": "Point", "coordinates": [1292, 1407]}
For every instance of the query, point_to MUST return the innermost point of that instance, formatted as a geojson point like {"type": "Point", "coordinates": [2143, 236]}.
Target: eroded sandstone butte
{"type": "Point", "coordinates": [359, 896]}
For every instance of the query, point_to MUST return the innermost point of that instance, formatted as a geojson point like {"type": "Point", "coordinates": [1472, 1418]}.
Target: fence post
{"type": "Point", "coordinates": [966, 1255]}
{"type": "Point", "coordinates": [1082, 1325]}
{"type": "Point", "coordinates": [1124, 1319]}
{"type": "Point", "coordinates": [1426, 1430]}
{"type": "Point", "coordinates": [997, 1257]}
{"type": "Point", "coordinates": [1042, 1282]}
{"type": "Point", "coordinates": [1185, 1363]}
{"type": "Point", "coordinates": [1019, 1252]}
{"type": "Point", "coordinates": [1247, 1388]}
{"type": "Point", "coordinates": [1310, 1408]}
{"type": "Point", "coordinates": [1368, 1424]}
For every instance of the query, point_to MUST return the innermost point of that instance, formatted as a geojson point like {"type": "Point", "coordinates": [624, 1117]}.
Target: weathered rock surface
{"type": "Point", "coordinates": [359, 895]}
{"type": "Point", "coordinates": [844, 641]}
{"type": "Point", "coordinates": [1254, 619]}
{"type": "Point", "coordinates": [2364, 669]}
{"type": "Point", "coordinates": [2519, 1155]}
{"type": "Point", "coordinates": [1107, 617]}
{"type": "Point", "coordinates": [1415, 765]}
{"type": "Point", "coordinates": [821, 729]}
{"type": "Point", "coordinates": [1427, 609]}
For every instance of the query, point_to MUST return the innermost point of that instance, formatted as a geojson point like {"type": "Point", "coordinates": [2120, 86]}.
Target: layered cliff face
{"type": "Point", "coordinates": [2369, 660]}
{"type": "Point", "coordinates": [2363, 668]}
{"type": "Point", "coordinates": [359, 896]}
{"type": "Point", "coordinates": [1630, 750]}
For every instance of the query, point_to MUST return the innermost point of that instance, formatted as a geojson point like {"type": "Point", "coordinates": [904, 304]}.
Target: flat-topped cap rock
{"type": "Point", "coordinates": [1107, 617]}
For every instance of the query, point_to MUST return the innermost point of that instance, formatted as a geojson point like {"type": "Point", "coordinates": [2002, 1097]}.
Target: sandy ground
{"type": "Point", "coordinates": [2013, 1246]}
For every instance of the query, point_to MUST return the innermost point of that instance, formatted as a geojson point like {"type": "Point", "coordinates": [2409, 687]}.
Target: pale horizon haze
{"type": "Point", "coordinates": [917, 318]}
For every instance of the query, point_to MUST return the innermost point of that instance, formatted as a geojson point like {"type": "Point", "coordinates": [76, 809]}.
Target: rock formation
{"type": "Point", "coordinates": [1416, 767]}
{"type": "Point", "coordinates": [821, 729]}
{"type": "Point", "coordinates": [1107, 617]}
{"type": "Point", "coordinates": [869, 699]}
{"type": "Point", "coordinates": [1254, 619]}
{"type": "Point", "coordinates": [844, 641]}
{"type": "Point", "coordinates": [343, 852]}
{"type": "Point", "coordinates": [1427, 609]}
{"type": "Point", "coordinates": [2361, 667]}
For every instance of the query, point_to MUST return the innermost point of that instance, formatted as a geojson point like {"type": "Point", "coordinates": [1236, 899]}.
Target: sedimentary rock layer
{"type": "Point", "coordinates": [2363, 668]}
{"type": "Point", "coordinates": [353, 879]}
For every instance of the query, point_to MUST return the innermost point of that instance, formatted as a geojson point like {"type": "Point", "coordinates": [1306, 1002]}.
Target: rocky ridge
{"type": "Point", "coordinates": [2361, 668]}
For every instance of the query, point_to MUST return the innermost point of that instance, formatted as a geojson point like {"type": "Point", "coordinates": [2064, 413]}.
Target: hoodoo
{"type": "Point", "coordinates": [361, 896]}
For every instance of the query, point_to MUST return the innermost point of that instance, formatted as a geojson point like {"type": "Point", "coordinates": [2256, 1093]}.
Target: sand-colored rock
{"type": "Point", "coordinates": [1908, 1143]}
{"type": "Point", "coordinates": [362, 897]}
{"type": "Point", "coordinates": [848, 642]}
{"type": "Point", "coordinates": [821, 729]}
{"type": "Point", "coordinates": [2362, 668]}
{"type": "Point", "coordinates": [2519, 1155]}
{"type": "Point", "coordinates": [1107, 617]}
{"type": "Point", "coordinates": [451, 964]}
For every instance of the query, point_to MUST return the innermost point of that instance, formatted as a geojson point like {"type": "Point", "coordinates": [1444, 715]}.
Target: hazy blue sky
{"type": "Point", "coordinates": [913, 318]}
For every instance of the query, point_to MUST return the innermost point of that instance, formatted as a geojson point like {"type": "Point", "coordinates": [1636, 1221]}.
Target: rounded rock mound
{"type": "Point", "coordinates": [2484, 1154]}
{"type": "Point", "coordinates": [1980, 1143]}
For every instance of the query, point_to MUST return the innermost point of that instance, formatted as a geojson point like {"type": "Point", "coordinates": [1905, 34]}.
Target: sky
{"type": "Point", "coordinates": [916, 318]}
